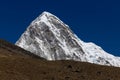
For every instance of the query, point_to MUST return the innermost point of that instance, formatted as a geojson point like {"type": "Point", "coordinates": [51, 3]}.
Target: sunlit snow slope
{"type": "Point", "coordinates": [48, 37]}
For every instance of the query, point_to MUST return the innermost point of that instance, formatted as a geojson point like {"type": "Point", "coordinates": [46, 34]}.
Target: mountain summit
{"type": "Point", "coordinates": [48, 37]}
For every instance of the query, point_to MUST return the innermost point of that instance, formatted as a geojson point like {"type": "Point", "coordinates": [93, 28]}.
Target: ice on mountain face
{"type": "Point", "coordinates": [48, 37]}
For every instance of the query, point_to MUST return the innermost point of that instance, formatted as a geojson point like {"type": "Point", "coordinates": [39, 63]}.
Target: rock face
{"type": "Point", "coordinates": [48, 37]}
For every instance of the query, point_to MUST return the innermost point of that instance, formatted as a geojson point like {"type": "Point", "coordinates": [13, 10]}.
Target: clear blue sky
{"type": "Point", "coordinates": [95, 21]}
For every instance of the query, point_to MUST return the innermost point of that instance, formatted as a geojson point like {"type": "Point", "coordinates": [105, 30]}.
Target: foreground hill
{"type": "Point", "coordinates": [18, 64]}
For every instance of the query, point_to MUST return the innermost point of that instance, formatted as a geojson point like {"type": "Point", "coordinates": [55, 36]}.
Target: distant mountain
{"type": "Point", "coordinates": [48, 37]}
{"type": "Point", "coordinates": [18, 64]}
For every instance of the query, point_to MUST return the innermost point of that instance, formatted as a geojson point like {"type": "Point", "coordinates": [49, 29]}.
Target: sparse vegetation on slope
{"type": "Point", "coordinates": [14, 66]}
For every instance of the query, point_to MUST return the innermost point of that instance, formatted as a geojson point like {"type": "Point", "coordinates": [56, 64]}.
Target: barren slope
{"type": "Point", "coordinates": [16, 66]}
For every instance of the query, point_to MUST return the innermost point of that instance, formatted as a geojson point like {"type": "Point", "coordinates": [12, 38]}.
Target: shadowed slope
{"type": "Point", "coordinates": [16, 64]}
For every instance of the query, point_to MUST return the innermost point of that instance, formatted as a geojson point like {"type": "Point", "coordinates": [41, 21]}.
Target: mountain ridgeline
{"type": "Point", "coordinates": [48, 37]}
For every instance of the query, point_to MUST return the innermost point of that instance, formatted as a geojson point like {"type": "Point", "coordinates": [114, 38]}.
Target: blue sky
{"type": "Point", "coordinates": [95, 21]}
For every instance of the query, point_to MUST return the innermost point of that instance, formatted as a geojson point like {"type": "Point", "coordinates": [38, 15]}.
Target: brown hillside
{"type": "Point", "coordinates": [15, 50]}
{"type": "Point", "coordinates": [17, 64]}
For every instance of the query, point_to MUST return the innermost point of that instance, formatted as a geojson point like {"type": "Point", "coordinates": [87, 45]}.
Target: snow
{"type": "Point", "coordinates": [53, 40]}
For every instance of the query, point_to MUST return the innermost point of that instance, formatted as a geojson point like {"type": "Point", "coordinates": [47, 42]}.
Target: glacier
{"type": "Point", "coordinates": [48, 37]}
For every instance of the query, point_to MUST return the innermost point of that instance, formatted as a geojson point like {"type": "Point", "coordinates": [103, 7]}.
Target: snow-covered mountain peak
{"type": "Point", "coordinates": [43, 17]}
{"type": "Point", "coordinates": [47, 18]}
{"type": "Point", "coordinates": [47, 13]}
{"type": "Point", "coordinates": [50, 38]}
